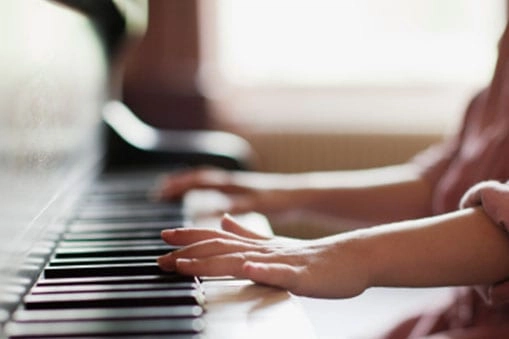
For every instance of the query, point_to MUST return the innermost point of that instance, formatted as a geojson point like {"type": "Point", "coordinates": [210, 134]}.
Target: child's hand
{"type": "Point", "coordinates": [247, 191]}
{"type": "Point", "coordinates": [329, 267]}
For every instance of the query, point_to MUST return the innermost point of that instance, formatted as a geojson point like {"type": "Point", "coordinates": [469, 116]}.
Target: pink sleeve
{"type": "Point", "coordinates": [434, 161]}
{"type": "Point", "coordinates": [493, 196]}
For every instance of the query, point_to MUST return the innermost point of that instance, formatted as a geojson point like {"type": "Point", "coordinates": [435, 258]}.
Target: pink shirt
{"type": "Point", "coordinates": [476, 154]}
{"type": "Point", "coordinates": [472, 168]}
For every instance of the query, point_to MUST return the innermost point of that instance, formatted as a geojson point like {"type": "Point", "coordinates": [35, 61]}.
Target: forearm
{"type": "Point", "coordinates": [461, 248]}
{"type": "Point", "coordinates": [374, 196]}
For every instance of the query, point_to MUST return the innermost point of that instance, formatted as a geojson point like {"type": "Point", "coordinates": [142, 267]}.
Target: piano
{"type": "Point", "coordinates": [78, 232]}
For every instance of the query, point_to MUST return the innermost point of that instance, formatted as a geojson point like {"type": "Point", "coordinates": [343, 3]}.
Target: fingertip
{"type": "Point", "coordinates": [171, 189]}
{"type": "Point", "coordinates": [166, 190]}
{"type": "Point", "coordinates": [227, 221]}
{"type": "Point", "coordinates": [166, 235]}
{"type": "Point", "coordinates": [228, 217]}
{"type": "Point", "coordinates": [165, 262]}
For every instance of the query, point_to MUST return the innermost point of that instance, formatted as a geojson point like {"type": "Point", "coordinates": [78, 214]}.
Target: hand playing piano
{"type": "Point", "coordinates": [328, 267]}
{"type": "Point", "coordinates": [269, 194]}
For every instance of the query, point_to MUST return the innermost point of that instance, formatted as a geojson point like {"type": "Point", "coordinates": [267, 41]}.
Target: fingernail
{"type": "Point", "coordinates": [167, 233]}
{"type": "Point", "coordinates": [182, 262]}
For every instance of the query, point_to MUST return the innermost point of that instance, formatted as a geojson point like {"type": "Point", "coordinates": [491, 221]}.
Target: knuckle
{"type": "Point", "coordinates": [251, 255]}
{"type": "Point", "coordinates": [240, 257]}
{"type": "Point", "coordinates": [218, 242]}
{"type": "Point", "coordinates": [266, 250]}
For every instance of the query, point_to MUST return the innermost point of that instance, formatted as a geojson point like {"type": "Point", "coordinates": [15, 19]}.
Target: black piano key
{"type": "Point", "coordinates": [111, 243]}
{"type": "Point", "coordinates": [102, 270]}
{"type": "Point", "coordinates": [101, 260]}
{"type": "Point", "coordinates": [108, 313]}
{"type": "Point", "coordinates": [167, 278]}
{"type": "Point", "coordinates": [112, 299]}
{"type": "Point", "coordinates": [91, 328]}
{"type": "Point", "coordinates": [112, 288]}
{"type": "Point", "coordinates": [86, 227]}
{"type": "Point", "coordinates": [128, 251]}
{"type": "Point", "coordinates": [111, 235]}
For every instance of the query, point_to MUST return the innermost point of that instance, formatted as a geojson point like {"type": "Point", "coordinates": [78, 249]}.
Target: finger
{"type": "Point", "coordinates": [186, 236]}
{"type": "Point", "coordinates": [233, 204]}
{"type": "Point", "coordinates": [175, 185]}
{"type": "Point", "coordinates": [229, 224]}
{"type": "Point", "coordinates": [229, 265]}
{"type": "Point", "coordinates": [208, 248]}
{"type": "Point", "coordinates": [256, 201]}
{"type": "Point", "coordinates": [274, 274]}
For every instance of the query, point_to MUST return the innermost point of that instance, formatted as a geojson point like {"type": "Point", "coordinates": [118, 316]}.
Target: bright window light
{"type": "Point", "coordinates": [361, 42]}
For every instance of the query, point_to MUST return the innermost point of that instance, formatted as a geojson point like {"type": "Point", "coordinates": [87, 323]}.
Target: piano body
{"type": "Point", "coordinates": [78, 236]}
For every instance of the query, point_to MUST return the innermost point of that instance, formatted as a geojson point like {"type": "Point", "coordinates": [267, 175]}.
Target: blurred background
{"type": "Point", "coordinates": [316, 84]}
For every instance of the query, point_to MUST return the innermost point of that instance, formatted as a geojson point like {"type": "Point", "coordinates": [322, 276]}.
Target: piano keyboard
{"type": "Point", "coordinates": [102, 280]}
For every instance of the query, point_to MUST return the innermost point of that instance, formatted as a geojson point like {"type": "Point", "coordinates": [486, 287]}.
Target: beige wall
{"type": "Point", "coordinates": [296, 152]}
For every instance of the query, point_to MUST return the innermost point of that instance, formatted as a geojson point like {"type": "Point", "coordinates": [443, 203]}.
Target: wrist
{"type": "Point", "coordinates": [356, 251]}
{"type": "Point", "coordinates": [367, 260]}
